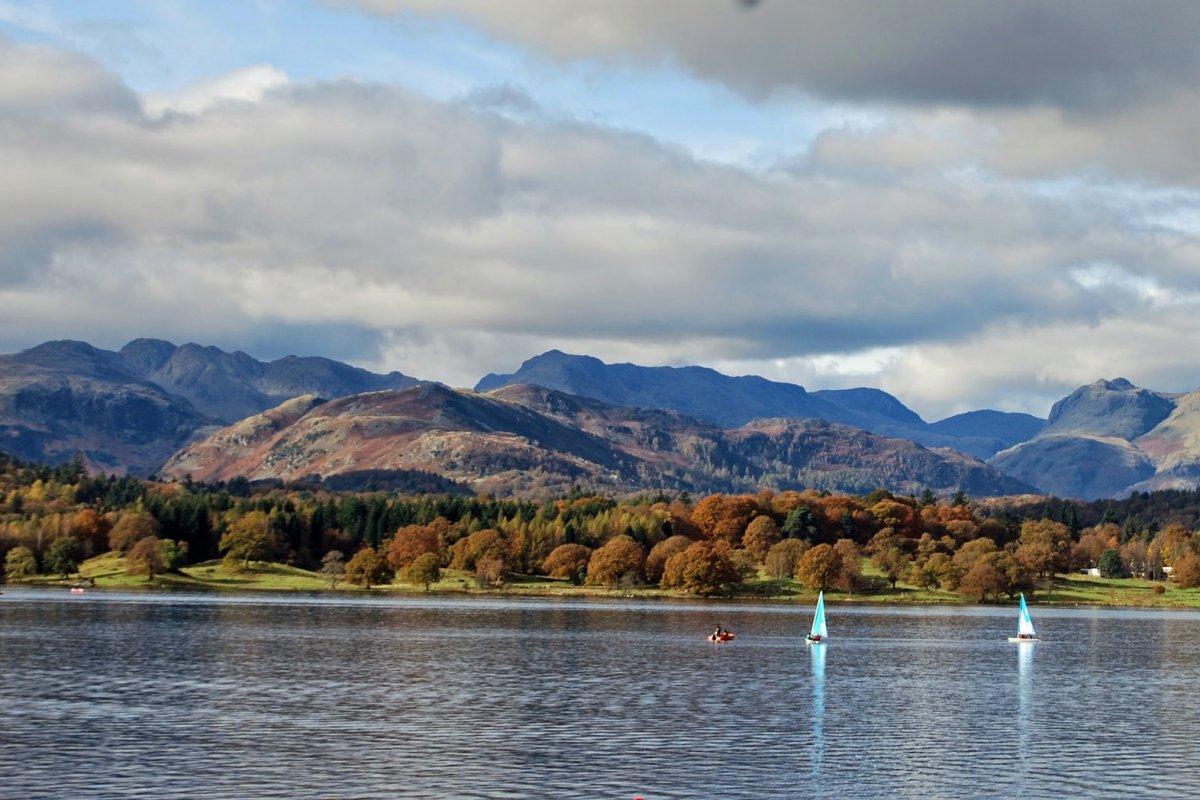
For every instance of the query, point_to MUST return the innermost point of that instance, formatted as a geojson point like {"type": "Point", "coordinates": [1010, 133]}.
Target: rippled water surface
{"type": "Point", "coordinates": [185, 696]}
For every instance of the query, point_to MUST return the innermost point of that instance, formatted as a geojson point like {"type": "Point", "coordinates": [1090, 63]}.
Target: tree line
{"type": "Point", "coordinates": [52, 518]}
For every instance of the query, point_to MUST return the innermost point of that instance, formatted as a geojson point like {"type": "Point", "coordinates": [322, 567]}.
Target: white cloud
{"type": "Point", "coordinates": [448, 240]}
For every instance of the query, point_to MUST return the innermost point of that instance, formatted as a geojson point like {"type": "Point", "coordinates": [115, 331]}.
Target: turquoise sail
{"type": "Point", "coordinates": [818, 625]}
{"type": "Point", "coordinates": [1024, 621]}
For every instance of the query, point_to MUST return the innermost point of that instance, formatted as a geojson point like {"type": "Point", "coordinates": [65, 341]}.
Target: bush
{"type": "Point", "coordinates": [620, 561]}
{"type": "Point", "coordinates": [704, 568]}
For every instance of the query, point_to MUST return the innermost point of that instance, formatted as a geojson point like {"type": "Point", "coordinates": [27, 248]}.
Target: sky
{"type": "Point", "coordinates": [967, 204]}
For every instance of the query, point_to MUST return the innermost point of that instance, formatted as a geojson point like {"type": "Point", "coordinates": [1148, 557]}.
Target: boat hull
{"type": "Point", "coordinates": [1019, 640]}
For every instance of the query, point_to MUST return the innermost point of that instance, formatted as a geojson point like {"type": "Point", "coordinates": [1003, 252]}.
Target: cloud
{"type": "Point", "coordinates": [451, 239]}
{"type": "Point", "coordinates": [1072, 54]}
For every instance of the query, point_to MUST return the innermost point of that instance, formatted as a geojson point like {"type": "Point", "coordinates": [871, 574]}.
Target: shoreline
{"type": "Point", "coordinates": [1061, 591]}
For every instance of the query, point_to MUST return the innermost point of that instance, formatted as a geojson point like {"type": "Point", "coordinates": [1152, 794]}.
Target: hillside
{"type": "Point", "coordinates": [1110, 438]}
{"type": "Point", "coordinates": [232, 386]}
{"type": "Point", "coordinates": [530, 440]}
{"type": "Point", "coordinates": [63, 398]}
{"type": "Point", "coordinates": [729, 401]}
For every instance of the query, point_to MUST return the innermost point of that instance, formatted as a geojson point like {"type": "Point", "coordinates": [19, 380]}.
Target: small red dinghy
{"type": "Point", "coordinates": [724, 637]}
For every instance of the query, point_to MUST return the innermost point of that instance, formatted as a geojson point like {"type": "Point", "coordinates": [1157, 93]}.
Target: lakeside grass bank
{"type": "Point", "coordinates": [108, 572]}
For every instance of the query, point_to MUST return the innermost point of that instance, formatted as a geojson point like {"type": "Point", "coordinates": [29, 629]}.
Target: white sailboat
{"type": "Point", "coordinates": [1025, 631]}
{"type": "Point", "coordinates": [819, 632]}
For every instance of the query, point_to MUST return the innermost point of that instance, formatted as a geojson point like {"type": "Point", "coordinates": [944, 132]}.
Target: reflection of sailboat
{"type": "Point", "coordinates": [819, 632]}
{"type": "Point", "coordinates": [1024, 705]}
{"type": "Point", "coordinates": [1025, 632]}
{"type": "Point", "coordinates": [818, 709]}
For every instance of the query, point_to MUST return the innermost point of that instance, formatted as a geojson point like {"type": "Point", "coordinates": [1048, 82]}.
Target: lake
{"type": "Point", "coordinates": [228, 696]}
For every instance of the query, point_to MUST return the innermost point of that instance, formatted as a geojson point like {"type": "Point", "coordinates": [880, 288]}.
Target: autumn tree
{"type": "Point", "coordinates": [972, 552]}
{"type": "Point", "coordinates": [19, 563]}
{"type": "Point", "coordinates": [1043, 546]}
{"type": "Point", "coordinates": [783, 558]}
{"type": "Point", "coordinates": [409, 542]}
{"type": "Point", "coordinates": [704, 568]}
{"type": "Point", "coordinates": [566, 561]}
{"type": "Point", "coordinates": [145, 558]}
{"type": "Point", "coordinates": [661, 553]}
{"type": "Point", "coordinates": [982, 580]}
{"type": "Point", "coordinates": [489, 571]}
{"type": "Point", "coordinates": [761, 535]}
{"type": "Point", "coordinates": [131, 526]}
{"type": "Point", "coordinates": [850, 572]}
{"type": "Point", "coordinates": [486, 543]}
{"type": "Point", "coordinates": [90, 528]}
{"type": "Point", "coordinates": [724, 517]}
{"type": "Point", "coordinates": [249, 538]}
{"type": "Point", "coordinates": [1187, 571]}
{"type": "Point", "coordinates": [333, 567]}
{"type": "Point", "coordinates": [64, 555]}
{"type": "Point", "coordinates": [423, 570]}
{"type": "Point", "coordinates": [620, 561]}
{"type": "Point", "coordinates": [367, 568]}
{"type": "Point", "coordinates": [820, 567]}
{"type": "Point", "coordinates": [888, 555]}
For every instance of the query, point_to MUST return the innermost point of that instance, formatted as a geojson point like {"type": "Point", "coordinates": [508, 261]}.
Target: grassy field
{"type": "Point", "coordinates": [107, 571]}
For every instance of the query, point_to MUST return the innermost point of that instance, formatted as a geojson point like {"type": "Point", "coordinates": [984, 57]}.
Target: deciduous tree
{"type": "Point", "coordinates": [620, 561]}
{"type": "Point", "coordinates": [423, 570]}
{"type": "Point", "coordinates": [145, 558]}
{"type": "Point", "coordinates": [19, 563]}
{"type": "Point", "coordinates": [704, 568]}
{"type": "Point", "coordinates": [819, 567]}
{"type": "Point", "coordinates": [566, 561]}
{"type": "Point", "coordinates": [367, 568]}
{"type": "Point", "coordinates": [64, 555]}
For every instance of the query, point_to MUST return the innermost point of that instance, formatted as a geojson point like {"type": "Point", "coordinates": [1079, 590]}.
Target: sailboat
{"type": "Point", "coordinates": [819, 632]}
{"type": "Point", "coordinates": [1025, 632]}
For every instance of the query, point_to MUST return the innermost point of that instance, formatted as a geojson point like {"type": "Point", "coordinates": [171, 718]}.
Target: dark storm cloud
{"type": "Point", "coordinates": [1075, 54]}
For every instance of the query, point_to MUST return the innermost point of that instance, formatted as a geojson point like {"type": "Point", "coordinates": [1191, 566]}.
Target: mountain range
{"type": "Point", "coordinates": [522, 439]}
{"type": "Point", "coordinates": [562, 419]}
{"type": "Point", "coordinates": [732, 401]}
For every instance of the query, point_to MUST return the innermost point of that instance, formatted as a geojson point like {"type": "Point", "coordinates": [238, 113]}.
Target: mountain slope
{"type": "Point", "coordinates": [66, 397]}
{"type": "Point", "coordinates": [231, 386]}
{"type": "Point", "coordinates": [731, 401]}
{"type": "Point", "coordinates": [1109, 438]}
{"type": "Point", "coordinates": [529, 439]}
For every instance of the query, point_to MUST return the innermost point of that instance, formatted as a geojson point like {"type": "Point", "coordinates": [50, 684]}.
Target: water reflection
{"type": "Point", "coordinates": [232, 697]}
{"type": "Point", "coordinates": [1025, 652]}
{"type": "Point", "coordinates": [816, 654]}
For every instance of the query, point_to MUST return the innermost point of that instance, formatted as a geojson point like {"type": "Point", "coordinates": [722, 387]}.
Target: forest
{"type": "Point", "coordinates": [52, 519]}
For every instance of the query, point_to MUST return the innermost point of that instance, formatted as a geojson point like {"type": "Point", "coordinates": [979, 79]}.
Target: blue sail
{"type": "Point", "coordinates": [818, 624]}
{"type": "Point", "coordinates": [1024, 621]}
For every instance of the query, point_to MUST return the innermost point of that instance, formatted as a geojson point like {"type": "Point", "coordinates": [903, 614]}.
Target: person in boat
{"type": "Point", "coordinates": [717, 633]}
